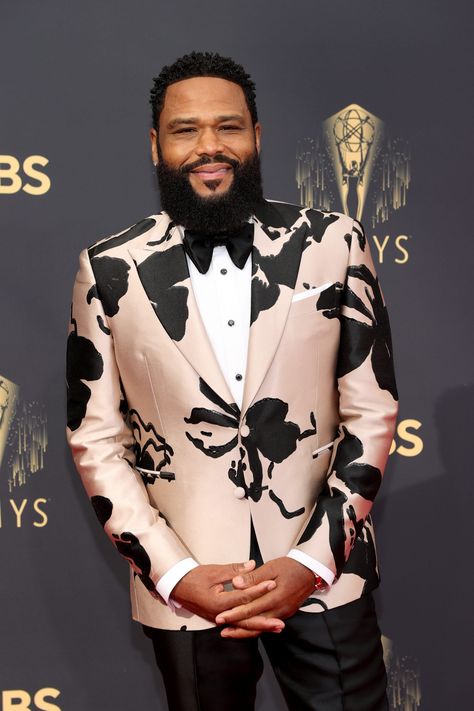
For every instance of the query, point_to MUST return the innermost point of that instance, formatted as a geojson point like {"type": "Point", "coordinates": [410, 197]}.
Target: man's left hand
{"type": "Point", "coordinates": [295, 582]}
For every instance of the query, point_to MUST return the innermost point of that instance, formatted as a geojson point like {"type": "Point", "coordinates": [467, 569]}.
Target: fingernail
{"type": "Point", "coordinates": [248, 564]}
{"type": "Point", "coordinates": [271, 586]}
{"type": "Point", "coordinates": [239, 580]}
{"type": "Point", "coordinates": [277, 630]}
{"type": "Point", "coordinates": [225, 633]}
{"type": "Point", "coordinates": [220, 620]}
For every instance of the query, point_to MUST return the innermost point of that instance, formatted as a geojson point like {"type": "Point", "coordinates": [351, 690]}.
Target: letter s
{"type": "Point", "coordinates": [402, 249]}
{"type": "Point", "coordinates": [44, 516]}
{"type": "Point", "coordinates": [404, 433]}
{"type": "Point", "coordinates": [40, 699]}
{"type": "Point", "coordinates": [42, 178]}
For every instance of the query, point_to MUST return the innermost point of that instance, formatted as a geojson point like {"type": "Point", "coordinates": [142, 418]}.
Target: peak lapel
{"type": "Point", "coordinates": [163, 271]}
{"type": "Point", "coordinates": [276, 256]}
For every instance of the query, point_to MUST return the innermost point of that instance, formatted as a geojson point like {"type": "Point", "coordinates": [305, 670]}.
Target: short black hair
{"type": "Point", "coordinates": [201, 64]}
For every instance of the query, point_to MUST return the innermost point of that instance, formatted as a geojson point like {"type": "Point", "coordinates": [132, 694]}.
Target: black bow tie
{"type": "Point", "coordinates": [199, 246]}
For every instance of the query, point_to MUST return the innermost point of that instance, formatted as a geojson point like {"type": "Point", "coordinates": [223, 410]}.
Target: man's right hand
{"type": "Point", "coordinates": [202, 591]}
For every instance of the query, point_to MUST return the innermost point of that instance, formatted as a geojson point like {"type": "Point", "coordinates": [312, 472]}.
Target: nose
{"type": "Point", "coordinates": [210, 143]}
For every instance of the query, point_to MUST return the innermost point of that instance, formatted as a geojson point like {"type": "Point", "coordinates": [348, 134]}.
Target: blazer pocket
{"type": "Point", "coordinates": [300, 295]}
{"type": "Point", "coordinates": [322, 450]}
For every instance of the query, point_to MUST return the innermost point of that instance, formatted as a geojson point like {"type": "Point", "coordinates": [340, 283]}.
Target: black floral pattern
{"type": "Point", "coordinates": [331, 504]}
{"type": "Point", "coordinates": [270, 272]}
{"type": "Point", "coordinates": [134, 231]}
{"type": "Point", "coordinates": [277, 219]}
{"type": "Point", "coordinates": [103, 508]}
{"type": "Point", "coordinates": [363, 555]}
{"type": "Point", "coordinates": [146, 447]}
{"type": "Point", "coordinates": [129, 546]}
{"type": "Point", "coordinates": [361, 479]}
{"type": "Point", "coordinates": [319, 221]}
{"type": "Point", "coordinates": [84, 362]}
{"type": "Point", "coordinates": [112, 274]}
{"type": "Point", "coordinates": [126, 543]}
{"type": "Point", "coordinates": [160, 274]}
{"type": "Point", "coordinates": [358, 338]}
{"type": "Point", "coordinates": [283, 510]}
{"type": "Point", "coordinates": [360, 235]}
{"type": "Point", "coordinates": [166, 237]}
{"type": "Point", "coordinates": [101, 323]}
{"type": "Point", "coordinates": [270, 436]}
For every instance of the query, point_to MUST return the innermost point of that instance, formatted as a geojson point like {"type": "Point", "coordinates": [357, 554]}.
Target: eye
{"type": "Point", "coordinates": [185, 130]}
{"type": "Point", "coordinates": [229, 127]}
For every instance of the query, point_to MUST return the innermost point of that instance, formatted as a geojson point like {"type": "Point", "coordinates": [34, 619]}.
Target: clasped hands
{"type": "Point", "coordinates": [261, 600]}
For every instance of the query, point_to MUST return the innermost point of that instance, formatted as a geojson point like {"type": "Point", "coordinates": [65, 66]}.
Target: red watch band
{"type": "Point", "coordinates": [319, 583]}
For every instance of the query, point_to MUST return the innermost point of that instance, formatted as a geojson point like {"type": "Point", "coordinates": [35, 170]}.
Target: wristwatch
{"type": "Point", "coordinates": [319, 583]}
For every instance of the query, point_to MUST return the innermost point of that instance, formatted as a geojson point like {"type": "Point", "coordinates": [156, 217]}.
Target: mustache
{"type": "Point", "coordinates": [205, 160]}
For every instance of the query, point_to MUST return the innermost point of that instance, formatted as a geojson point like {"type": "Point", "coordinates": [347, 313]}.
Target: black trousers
{"type": "Point", "coordinates": [327, 661]}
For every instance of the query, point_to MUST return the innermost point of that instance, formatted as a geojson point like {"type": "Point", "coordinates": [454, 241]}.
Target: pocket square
{"type": "Point", "coordinates": [311, 292]}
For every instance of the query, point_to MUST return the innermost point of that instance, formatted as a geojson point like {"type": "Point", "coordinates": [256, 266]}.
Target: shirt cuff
{"type": "Point", "coordinates": [314, 565]}
{"type": "Point", "coordinates": [171, 578]}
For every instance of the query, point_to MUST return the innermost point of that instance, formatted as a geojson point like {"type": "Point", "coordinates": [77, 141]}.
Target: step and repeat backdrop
{"type": "Point", "coordinates": [366, 109]}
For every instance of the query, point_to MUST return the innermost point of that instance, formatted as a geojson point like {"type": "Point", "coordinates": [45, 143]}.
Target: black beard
{"type": "Point", "coordinates": [215, 214]}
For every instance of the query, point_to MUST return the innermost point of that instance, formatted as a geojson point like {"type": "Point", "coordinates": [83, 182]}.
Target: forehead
{"type": "Point", "coordinates": [204, 95]}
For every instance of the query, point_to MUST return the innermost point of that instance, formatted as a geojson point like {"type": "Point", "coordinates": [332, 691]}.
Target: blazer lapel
{"type": "Point", "coordinates": [276, 256]}
{"type": "Point", "coordinates": [163, 271]}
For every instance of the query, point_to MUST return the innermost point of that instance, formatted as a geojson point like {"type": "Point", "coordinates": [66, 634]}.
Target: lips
{"type": "Point", "coordinates": [212, 171]}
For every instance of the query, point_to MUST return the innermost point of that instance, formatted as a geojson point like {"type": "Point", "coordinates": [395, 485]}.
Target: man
{"type": "Point", "coordinates": [231, 407]}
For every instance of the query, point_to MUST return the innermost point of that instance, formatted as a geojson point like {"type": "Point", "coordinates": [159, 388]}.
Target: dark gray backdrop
{"type": "Point", "coordinates": [74, 83]}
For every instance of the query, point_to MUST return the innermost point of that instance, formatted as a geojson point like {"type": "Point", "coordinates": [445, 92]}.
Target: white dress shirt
{"type": "Point", "coordinates": [223, 298]}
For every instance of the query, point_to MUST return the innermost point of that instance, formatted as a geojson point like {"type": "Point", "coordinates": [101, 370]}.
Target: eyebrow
{"type": "Point", "coordinates": [193, 120]}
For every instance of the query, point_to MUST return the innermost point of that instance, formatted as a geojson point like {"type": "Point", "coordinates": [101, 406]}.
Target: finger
{"type": "Point", "coordinates": [228, 600]}
{"type": "Point", "coordinates": [260, 623]}
{"type": "Point", "coordinates": [238, 633]}
{"type": "Point", "coordinates": [264, 604]}
{"type": "Point", "coordinates": [245, 580]}
{"type": "Point", "coordinates": [227, 572]}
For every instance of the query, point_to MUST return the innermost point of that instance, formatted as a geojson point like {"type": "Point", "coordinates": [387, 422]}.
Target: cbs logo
{"type": "Point", "coordinates": [15, 177]}
{"type": "Point", "coordinates": [20, 700]}
{"type": "Point", "coordinates": [407, 442]}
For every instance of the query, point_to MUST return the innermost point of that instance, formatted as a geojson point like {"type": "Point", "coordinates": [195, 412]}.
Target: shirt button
{"type": "Point", "coordinates": [238, 376]}
{"type": "Point", "coordinates": [230, 322]}
{"type": "Point", "coordinates": [245, 430]}
{"type": "Point", "coordinates": [239, 492]}
{"type": "Point", "coordinates": [224, 271]}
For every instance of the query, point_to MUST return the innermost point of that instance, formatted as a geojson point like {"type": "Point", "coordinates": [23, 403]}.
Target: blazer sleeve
{"type": "Point", "coordinates": [368, 406]}
{"type": "Point", "coordinates": [101, 440]}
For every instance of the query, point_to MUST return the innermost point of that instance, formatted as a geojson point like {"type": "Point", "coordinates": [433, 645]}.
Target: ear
{"type": "Point", "coordinates": [154, 146]}
{"type": "Point", "coordinates": [257, 131]}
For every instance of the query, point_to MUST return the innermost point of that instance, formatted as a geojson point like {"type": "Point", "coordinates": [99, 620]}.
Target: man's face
{"type": "Point", "coordinates": [205, 120]}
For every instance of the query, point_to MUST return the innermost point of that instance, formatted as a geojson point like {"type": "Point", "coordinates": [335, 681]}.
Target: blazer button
{"type": "Point", "coordinates": [245, 430]}
{"type": "Point", "coordinates": [239, 492]}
